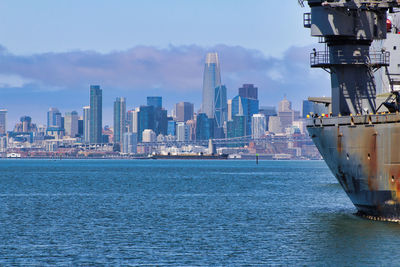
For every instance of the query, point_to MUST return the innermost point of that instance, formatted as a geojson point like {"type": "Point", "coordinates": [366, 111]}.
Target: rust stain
{"type": "Point", "coordinates": [370, 157]}
{"type": "Point", "coordinates": [339, 141]}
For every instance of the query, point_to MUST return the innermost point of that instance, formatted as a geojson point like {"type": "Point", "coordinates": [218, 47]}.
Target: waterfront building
{"type": "Point", "coordinates": [96, 114]}
{"type": "Point", "coordinates": [129, 143]}
{"type": "Point", "coordinates": [3, 121]}
{"type": "Point", "coordinates": [258, 125]}
{"type": "Point", "coordinates": [86, 124]}
{"type": "Point", "coordinates": [155, 101]}
{"type": "Point", "coordinates": [71, 124]}
{"type": "Point", "coordinates": [182, 132]}
{"type": "Point", "coordinates": [119, 119]}
{"type": "Point", "coordinates": [184, 111]}
{"type": "Point", "coordinates": [148, 136]}
{"type": "Point", "coordinates": [211, 80]}
{"type": "Point", "coordinates": [54, 118]}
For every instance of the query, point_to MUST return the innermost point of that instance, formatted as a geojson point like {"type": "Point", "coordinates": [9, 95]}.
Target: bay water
{"type": "Point", "coordinates": [183, 213]}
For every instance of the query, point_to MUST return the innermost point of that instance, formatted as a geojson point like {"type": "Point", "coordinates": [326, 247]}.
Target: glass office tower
{"type": "Point", "coordinates": [95, 118]}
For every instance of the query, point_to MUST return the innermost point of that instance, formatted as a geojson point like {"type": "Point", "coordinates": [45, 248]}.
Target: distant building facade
{"type": "Point", "coordinates": [54, 118]}
{"type": "Point", "coordinates": [211, 80]}
{"type": "Point", "coordinates": [71, 124]}
{"type": "Point", "coordinates": [86, 124]}
{"type": "Point", "coordinates": [155, 101]}
{"type": "Point", "coordinates": [129, 143]}
{"type": "Point", "coordinates": [184, 111]}
{"type": "Point", "coordinates": [3, 121]}
{"type": "Point", "coordinates": [258, 125]}
{"type": "Point", "coordinates": [119, 119]}
{"type": "Point", "coordinates": [96, 114]}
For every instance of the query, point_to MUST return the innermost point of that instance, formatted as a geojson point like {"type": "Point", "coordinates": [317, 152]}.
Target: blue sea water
{"type": "Point", "coordinates": [155, 212]}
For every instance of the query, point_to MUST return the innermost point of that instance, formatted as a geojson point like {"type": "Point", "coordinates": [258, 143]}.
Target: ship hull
{"type": "Point", "coordinates": [363, 152]}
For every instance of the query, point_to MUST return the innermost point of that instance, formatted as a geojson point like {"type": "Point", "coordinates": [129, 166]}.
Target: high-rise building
{"type": "Point", "coordinates": [119, 119]}
{"type": "Point", "coordinates": [245, 107]}
{"type": "Point", "coordinates": [184, 111]}
{"type": "Point", "coordinates": [3, 121]}
{"type": "Point", "coordinates": [237, 127]}
{"type": "Point", "coordinates": [86, 124]}
{"type": "Point", "coordinates": [96, 112]}
{"type": "Point", "coordinates": [129, 143]}
{"type": "Point", "coordinates": [171, 128]}
{"type": "Point", "coordinates": [229, 117]}
{"type": "Point", "coordinates": [248, 91]}
{"type": "Point", "coordinates": [145, 120]}
{"type": "Point", "coordinates": [80, 126]}
{"type": "Point", "coordinates": [71, 123]}
{"type": "Point", "coordinates": [211, 80]}
{"type": "Point", "coordinates": [54, 118]}
{"type": "Point", "coordinates": [258, 125]}
{"type": "Point", "coordinates": [132, 119]}
{"type": "Point", "coordinates": [155, 101]}
{"type": "Point", "coordinates": [220, 106]}
{"type": "Point", "coordinates": [203, 127]}
{"type": "Point", "coordinates": [182, 132]}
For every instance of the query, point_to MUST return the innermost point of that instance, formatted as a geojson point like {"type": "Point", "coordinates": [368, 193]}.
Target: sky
{"type": "Point", "coordinates": [51, 51]}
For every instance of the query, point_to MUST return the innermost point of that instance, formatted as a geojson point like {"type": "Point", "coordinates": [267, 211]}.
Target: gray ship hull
{"type": "Point", "coordinates": [363, 152]}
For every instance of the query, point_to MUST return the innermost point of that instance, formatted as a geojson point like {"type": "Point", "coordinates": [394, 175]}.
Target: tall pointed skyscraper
{"type": "Point", "coordinates": [95, 118]}
{"type": "Point", "coordinates": [211, 80]}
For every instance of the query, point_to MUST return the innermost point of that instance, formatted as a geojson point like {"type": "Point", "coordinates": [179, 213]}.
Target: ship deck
{"type": "Point", "coordinates": [354, 120]}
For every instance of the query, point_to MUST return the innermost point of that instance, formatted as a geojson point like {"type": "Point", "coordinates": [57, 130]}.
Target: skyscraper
{"type": "Point", "coordinates": [248, 91]}
{"type": "Point", "coordinates": [96, 105]}
{"type": "Point", "coordinates": [220, 106]}
{"type": "Point", "coordinates": [246, 107]}
{"type": "Point", "coordinates": [86, 124]}
{"type": "Point", "coordinates": [155, 101]}
{"type": "Point", "coordinates": [3, 121]}
{"type": "Point", "coordinates": [129, 143]}
{"type": "Point", "coordinates": [54, 118]}
{"type": "Point", "coordinates": [71, 123]}
{"type": "Point", "coordinates": [119, 119]}
{"type": "Point", "coordinates": [203, 127]}
{"type": "Point", "coordinates": [211, 80]}
{"type": "Point", "coordinates": [145, 120]}
{"type": "Point", "coordinates": [258, 125]}
{"type": "Point", "coordinates": [182, 132]}
{"type": "Point", "coordinates": [184, 111]}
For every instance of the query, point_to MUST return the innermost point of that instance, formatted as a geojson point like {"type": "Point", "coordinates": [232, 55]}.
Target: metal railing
{"type": "Point", "coordinates": [324, 59]}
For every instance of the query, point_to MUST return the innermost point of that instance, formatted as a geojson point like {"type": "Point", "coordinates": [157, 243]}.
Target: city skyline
{"type": "Point", "coordinates": [56, 67]}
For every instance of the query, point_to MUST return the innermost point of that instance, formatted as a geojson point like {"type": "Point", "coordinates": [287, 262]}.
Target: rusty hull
{"type": "Point", "coordinates": [363, 152]}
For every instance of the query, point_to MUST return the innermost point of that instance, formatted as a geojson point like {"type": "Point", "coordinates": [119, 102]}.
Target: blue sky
{"type": "Point", "coordinates": [51, 51]}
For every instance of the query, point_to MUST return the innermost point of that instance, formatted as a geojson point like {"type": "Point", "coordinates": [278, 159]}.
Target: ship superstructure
{"type": "Point", "coordinates": [360, 139]}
